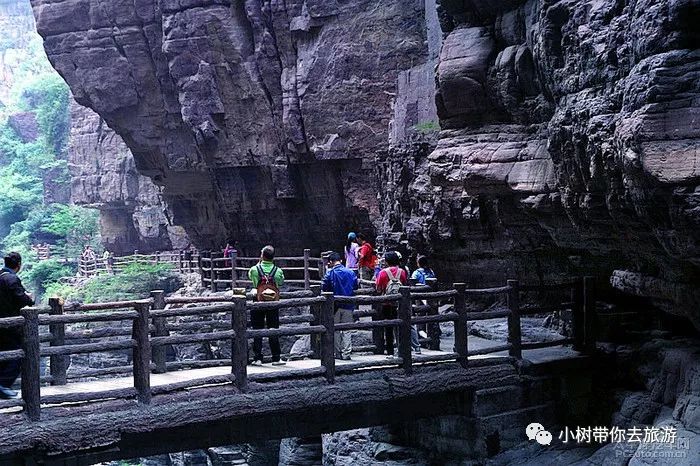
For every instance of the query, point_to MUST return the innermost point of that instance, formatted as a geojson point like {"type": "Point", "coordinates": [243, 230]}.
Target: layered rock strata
{"type": "Point", "coordinates": [103, 176]}
{"type": "Point", "coordinates": [259, 119]}
{"type": "Point", "coordinates": [569, 145]}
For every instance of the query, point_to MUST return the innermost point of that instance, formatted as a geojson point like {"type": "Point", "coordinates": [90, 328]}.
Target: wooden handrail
{"type": "Point", "coordinates": [150, 334]}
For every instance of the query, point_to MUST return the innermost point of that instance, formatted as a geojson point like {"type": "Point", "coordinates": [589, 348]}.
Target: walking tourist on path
{"type": "Point", "coordinates": [351, 251]}
{"type": "Point", "coordinates": [366, 259]}
{"type": "Point", "coordinates": [342, 282]}
{"type": "Point", "coordinates": [389, 281]}
{"type": "Point", "coordinates": [267, 279]}
{"type": "Point", "coordinates": [13, 297]}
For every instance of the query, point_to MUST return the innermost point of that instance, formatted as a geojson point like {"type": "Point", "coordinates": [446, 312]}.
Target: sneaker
{"type": "Point", "coordinates": [417, 351]}
{"type": "Point", "coordinates": [279, 363]}
{"type": "Point", "coordinates": [346, 358]}
{"type": "Point", "coordinates": [256, 362]}
{"type": "Point", "coordinates": [8, 393]}
{"type": "Point", "coordinates": [390, 356]}
{"type": "Point", "coordinates": [423, 334]}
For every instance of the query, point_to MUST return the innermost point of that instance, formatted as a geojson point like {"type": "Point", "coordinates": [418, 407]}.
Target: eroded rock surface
{"type": "Point", "coordinates": [569, 141]}
{"type": "Point", "coordinates": [256, 117]}
{"type": "Point", "coordinates": [103, 176]}
{"type": "Point", "coordinates": [569, 145]}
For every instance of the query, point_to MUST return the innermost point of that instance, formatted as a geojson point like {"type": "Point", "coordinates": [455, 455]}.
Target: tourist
{"type": "Point", "coordinates": [423, 271]}
{"type": "Point", "coordinates": [420, 275]}
{"type": "Point", "coordinates": [13, 297]}
{"type": "Point", "coordinates": [389, 282]}
{"type": "Point", "coordinates": [366, 259]}
{"type": "Point", "coordinates": [107, 261]}
{"type": "Point", "coordinates": [230, 251]}
{"type": "Point", "coordinates": [351, 251]}
{"type": "Point", "coordinates": [267, 279]}
{"type": "Point", "coordinates": [342, 282]}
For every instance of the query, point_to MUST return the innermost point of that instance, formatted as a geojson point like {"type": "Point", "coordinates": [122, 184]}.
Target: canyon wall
{"type": "Point", "coordinates": [104, 177]}
{"type": "Point", "coordinates": [259, 119]}
{"type": "Point", "coordinates": [567, 139]}
{"type": "Point", "coordinates": [569, 144]}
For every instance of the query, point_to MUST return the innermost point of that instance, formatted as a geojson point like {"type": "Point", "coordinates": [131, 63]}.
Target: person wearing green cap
{"type": "Point", "coordinates": [351, 250]}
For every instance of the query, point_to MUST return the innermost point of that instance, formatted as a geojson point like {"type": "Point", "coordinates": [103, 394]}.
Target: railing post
{"type": "Point", "coordinates": [31, 376]}
{"type": "Point", "coordinates": [157, 257]}
{"type": "Point", "coordinates": [58, 363]}
{"type": "Point", "coordinates": [328, 337]}
{"type": "Point", "coordinates": [307, 277]}
{"type": "Point", "coordinates": [514, 333]}
{"type": "Point", "coordinates": [212, 266]}
{"type": "Point", "coordinates": [181, 256]}
{"type": "Point", "coordinates": [200, 265]}
{"type": "Point", "coordinates": [234, 273]}
{"type": "Point", "coordinates": [159, 323]}
{"type": "Point", "coordinates": [433, 329]}
{"type": "Point", "coordinates": [239, 344]}
{"type": "Point", "coordinates": [142, 354]}
{"type": "Point", "coordinates": [577, 299]}
{"type": "Point", "coordinates": [316, 310]}
{"type": "Point", "coordinates": [589, 314]}
{"type": "Point", "coordinates": [461, 341]}
{"type": "Point", "coordinates": [405, 330]}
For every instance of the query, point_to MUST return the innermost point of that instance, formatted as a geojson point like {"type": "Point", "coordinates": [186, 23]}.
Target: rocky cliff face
{"type": "Point", "coordinates": [259, 119]}
{"type": "Point", "coordinates": [104, 176]}
{"type": "Point", "coordinates": [568, 139]}
{"type": "Point", "coordinates": [569, 144]}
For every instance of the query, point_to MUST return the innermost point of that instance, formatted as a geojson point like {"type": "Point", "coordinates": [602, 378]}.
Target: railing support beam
{"type": "Point", "coordinates": [405, 330]}
{"type": "Point", "coordinates": [514, 332]}
{"type": "Point", "coordinates": [328, 337]}
{"type": "Point", "coordinates": [31, 376]}
{"type": "Point", "coordinates": [58, 363]}
{"type": "Point", "coordinates": [461, 341]}
{"type": "Point", "coordinates": [142, 354]}
{"type": "Point", "coordinates": [239, 344]}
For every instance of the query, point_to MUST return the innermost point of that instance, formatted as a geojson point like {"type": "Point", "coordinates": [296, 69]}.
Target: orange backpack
{"type": "Point", "coordinates": [267, 287]}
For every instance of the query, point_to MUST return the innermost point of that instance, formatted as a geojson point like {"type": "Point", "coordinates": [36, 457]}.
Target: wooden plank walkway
{"type": "Point", "coordinates": [107, 384]}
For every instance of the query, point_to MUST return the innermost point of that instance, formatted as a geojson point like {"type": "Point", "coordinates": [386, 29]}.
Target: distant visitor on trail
{"type": "Point", "coordinates": [351, 251]}
{"type": "Point", "coordinates": [267, 280]}
{"type": "Point", "coordinates": [230, 252]}
{"type": "Point", "coordinates": [388, 282]}
{"type": "Point", "coordinates": [365, 258]}
{"type": "Point", "coordinates": [423, 271]}
{"type": "Point", "coordinates": [342, 282]}
{"type": "Point", "coordinates": [13, 297]}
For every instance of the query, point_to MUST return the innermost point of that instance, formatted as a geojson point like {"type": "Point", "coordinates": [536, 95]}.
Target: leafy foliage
{"type": "Point", "coordinates": [427, 127]}
{"type": "Point", "coordinates": [45, 273]}
{"type": "Point", "coordinates": [75, 225]}
{"type": "Point", "coordinates": [135, 282]}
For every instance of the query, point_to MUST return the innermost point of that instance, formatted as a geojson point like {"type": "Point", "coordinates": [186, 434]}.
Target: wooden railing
{"type": "Point", "coordinates": [220, 272]}
{"type": "Point", "coordinates": [150, 333]}
{"type": "Point", "coordinates": [182, 261]}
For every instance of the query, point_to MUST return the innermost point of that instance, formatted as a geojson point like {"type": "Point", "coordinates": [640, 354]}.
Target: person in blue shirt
{"type": "Point", "coordinates": [423, 271]}
{"type": "Point", "coordinates": [342, 282]}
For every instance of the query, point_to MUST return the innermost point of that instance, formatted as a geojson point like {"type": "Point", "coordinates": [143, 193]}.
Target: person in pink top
{"type": "Point", "coordinates": [351, 251]}
{"type": "Point", "coordinates": [389, 282]}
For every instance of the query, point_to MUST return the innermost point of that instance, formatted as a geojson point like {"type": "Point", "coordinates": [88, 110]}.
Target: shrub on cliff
{"type": "Point", "coordinates": [136, 281]}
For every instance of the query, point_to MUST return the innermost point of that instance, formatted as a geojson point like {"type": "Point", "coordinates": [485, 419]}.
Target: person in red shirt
{"type": "Point", "coordinates": [365, 258]}
{"type": "Point", "coordinates": [388, 282]}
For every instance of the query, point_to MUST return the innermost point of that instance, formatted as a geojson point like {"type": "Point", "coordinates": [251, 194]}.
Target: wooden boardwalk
{"type": "Point", "coordinates": [193, 375]}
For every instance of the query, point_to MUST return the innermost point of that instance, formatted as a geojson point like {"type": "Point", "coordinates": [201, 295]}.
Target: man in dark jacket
{"type": "Point", "coordinates": [342, 282]}
{"type": "Point", "coordinates": [13, 297]}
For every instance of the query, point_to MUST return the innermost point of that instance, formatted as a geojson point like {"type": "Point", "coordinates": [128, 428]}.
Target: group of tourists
{"type": "Point", "coordinates": [342, 278]}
